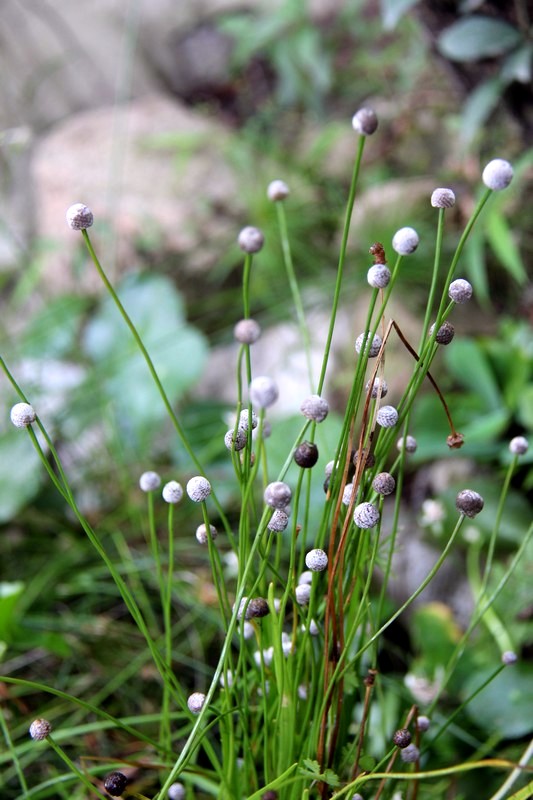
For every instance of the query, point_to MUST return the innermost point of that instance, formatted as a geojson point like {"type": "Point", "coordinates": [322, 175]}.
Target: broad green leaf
{"type": "Point", "coordinates": [517, 65]}
{"type": "Point", "coordinates": [21, 473]}
{"type": "Point", "coordinates": [469, 365]}
{"type": "Point", "coordinates": [500, 706]}
{"type": "Point", "coordinates": [500, 237]}
{"type": "Point", "coordinates": [393, 10]}
{"type": "Point", "coordinates": [477, 37]}
{"type": "Point", "coordinates": [435, 634]}
{"type": "Point", "coordinates": [479, 106]}
{"type": "Point", "coordinates": [9, 595]}
{"type": "Point", "coordinates": [52, 331]}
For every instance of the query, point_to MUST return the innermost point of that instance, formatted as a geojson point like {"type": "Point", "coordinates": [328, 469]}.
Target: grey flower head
{"type": "Point", "coordinates": [316, 560]}
{"type": "Point", "coordinates": [498, 174]}
{"type": "Point", "coordinates": [79, 217]}
{"type": "Point", "coordinates": [303, 594]}
{"type": "Point", "coordinates": [365, 121]}
{"type": "Point", "coordinates": [195, 702]}
{"type": "Point", "coordinates": [251, 239]}
{"type": "Point", "coordinates": [149, 481]}
{"type": "Point", "coordinates": [172, 492]}
{"type": "Point", "coordinates": [235, 440]}
{"type": "Point", "coordinates": [445, 333]}
{"type": "Point", "coordinates": [460, 291]}
{"type": "Point", "coordinates": [198, 488]}
{"type": "Point", "coordinates": [410, 754]}
{"type": "Point", "coordinates": [469, 503]}
{"type": "Point", "coordinates": [378, 276]}
{"type": "Point", "coordinates": [378, 384]}
{"type": "Point", "coordinates": [405, 241]}
{"type": "Point", "coordinates": [409, 443]}
{"type": "Point", "coordinates": [509, 658]}
{"type": "Point", "coordinates": [263, 391]}
{"type": "Point", "coordinates": [366, 515]}
{"type": "Point", "coordinates": [201, 533]}
{"type": "Point", "coordinates": [40, 729]}
{"type": "Point", "coordinates": [247, 331]}
{"type": "Point", "coordinates": [443, 198]}
{"type": "Point", "coordinates": [277, 190]}
{"type": "Point", "coordinates": [176, 792]}
{"type": "Point", "coordinates": [519, 445]}
{"type": "Point", "coordinates": [384, 483]}
{"type": "Point", "coordinates": [22, 415]}
{"type": "Point", "coordinates": [277, 495]}
{"type": "Point", "coordinates": [372, 347]}
{"type": "Point", "coordinates": [278, 521]}
{"type": "Point", "coordinates": [315, 408]}
{"type": "Point", "coordinates": [387, 417]}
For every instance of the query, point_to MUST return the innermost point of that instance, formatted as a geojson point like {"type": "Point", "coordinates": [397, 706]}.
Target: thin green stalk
{"type": "Point", "coordinates": [73, 768]}
{"type": "Point", "coordinates": [13, 752]}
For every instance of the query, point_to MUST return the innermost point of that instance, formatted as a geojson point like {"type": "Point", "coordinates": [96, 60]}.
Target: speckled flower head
{"type": "Point", "coordinates": [378, 276]}
{"type": "Point", "coordinates": [423, 723]}
{"type": "Point", "coordinates": [40, 729]}
{"type": "Point", "coordinates": [176, 792]}
{"type": "Point", "coordinates": [387, 417]}
{"type": "Point", "coordinates": [172, 492]}
{"type": "Point", "coordinates": [498, 174]}
{"type": "Point", "coordinates": [149, 481]}
{"type": "Point", "coordinates": [315, 408]}
{"type": "Point", "coordinates": [277, 495]}
{"type": "Point", "coordinates": [379, 384]}
{"type": "Point", "coordinates": [263, 391]}
{"type": "Point", "coordinates": [460, 291]}
{"type": "Point", "coordinates": [251, 239]}
{"type": "Point", "coordinates": [316, 560]}
{"type": "Point", "coordinates": [255, 608]}
{"type": "Point", "coordinates": [401, 737]}
{"type": "Point", "coordinates": [245, 418]}
{"type": "Point", "coordinates": [405, 241]}
{"type": "Point", "coordinates": [306, 455]}
{"type": "Point", "coordinates": [247, 331]}
{"type": "Point", "coordinates": [445, 333]}
{"type": "Point", "coordinates": [79, 217]}
{"type": "Point", "coordinates": [371, 347]}
{"type": "Point", "coordinates": [384, 483]}
{"type": "Point", "coordinates": [442, 198]}
{"type": "Point", "coordinates": [278, 521]}
{"type": "Point", "coordinates": [22, 415]}
{"type": "Point", "coordinates": [519, 445]}
{"type": "Point", "coordinates": [409, 444]}
{"type": "Point", "coordinates": [366, 515]}
{"type": "Point", "coordinates": [235, 440]}
{"type": "Point", "coordinates": [277, 190]}
{"type": "Point", "coordinates": [303, 594]}
{"type": "Point", "coordinates": [115, 783]}
{"type": "Point", "coordinates": [195, 702]}
{"type": "Point", "coordinates": [198, 488]}
{"type": "Point", "coordinates": [410, 754]}
{"type": "Point", "coordinates": [201, 533]}
{"type": "Point", "coordinates": [365, 121]}
{"type": "Point", "coordinates": [347, 493]}
{"type": "Point", "coordinates": [469, 503]}
{"type": "Point", "coordinates": [509, 658]}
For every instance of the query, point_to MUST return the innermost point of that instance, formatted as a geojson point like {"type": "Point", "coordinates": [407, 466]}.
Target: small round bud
{"type": "Point", "coordinates": [303, 594]}
{"type": "Point", "coordinates": [498, 174]}
{"type": "Point", "coordinates": [23, 415]}
{"type": "Point", "coordinates": [255, 609]}
{"type": "Point", "coordinates": [277, 495]}
{"type": "Point", "coordinates": [443, 198]}
{"type": "Point", "coordinates": [306, 577]}
{"type": "Point", "coordinates": [247, 331]}
{"type": "Point", "coordinates": [314, 630]}
{"type": "Point", "coordinates": [519, 445]}
{"type": "Point", "coordinates": [40, 729]}
{"type": "Point", "coordinates": [379, 383]}
{"type": "Point", "coordinates": [469, 503]}
{"type": "Point", "coordinates": [409, 444]}
{"type": "Point", "coordinates": [201, 533]}
{"type": "Point", "coordinates": [405, 241]}
{"type": "Point", "coordinates": [244, 420]}
{"type": "Point", "coordinates": [115, 783]}
{"type": "Point", "coordinates": [306, 455]}
{"type": "Point", "coordinates": [423, 723]}
{"type": "Point", "coordinates": [278, 521]}
{"type": "Point", "coordinates": [316, 560]}
{"type": "Point", "coordinates": [365, 122]}
{"type": "Point", "coordinates": [251, 239]}
{"type": "Point", "coordinates": [357, 796]}
{"type": "Point", "coordinates": [410, 754]}
{"type": "Point", "coordinates": [172, 492]}
{"type": "Point", "coordinates": [149, 481]}
{"type": "Point", "coordinates": [79, 217]}
{"type": "Point", "coordinates": [509, 658]}
{"type": "Point", "coordinates": [445, 333]}
{"type": "Point", "coordinates": [315, 408]}
{"type": "Point", "coordinates": [365, 515]}
{"type": "Point", "coordinates": [270, 794]}
{"type": "Point", "coordinates": [195, 702]}
{"type": "Point", "coordinates": [235, 441]}
{"type": "Point", "coordinates": [347, 493]}
{"type": "Point", "coordinates": [384, 483]}
{"type": "Point", "coordinates": [387, 417]}
{"type": "Point", "coordinates": [176, 792]}
{"type": "Point", "coordinates": [378, 276]}
{"type": "Point", "coordinates": [277, 190]}
{"type": "Point", "coordinates": [372, 348]}
{"type": "Point", "coordinates": [460, 291]}
{"type": "Point", "coordinates": [198, 488]}
{"type": "Point", "coordinates": [263, 391]}
{"type": "Point", "coordinates": [369, 458]}
{"type": "Point", "coordinates": [402, 738]}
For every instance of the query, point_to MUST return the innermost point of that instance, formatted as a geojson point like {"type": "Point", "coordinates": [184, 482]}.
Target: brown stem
{"type": "Point", "coordinates": [369, 684]}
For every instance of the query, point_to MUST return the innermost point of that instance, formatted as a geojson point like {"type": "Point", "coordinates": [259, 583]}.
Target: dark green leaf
{"type": "Point", "coordinates": [479, 106]}
{"type": "Point", "coordinates": [393, 10]}
{"type": "Point", "coordinates": [500, 237]}
{"type": "Point", "coordinates": [500, 706]}
{"type": "Point", "coordinates": [477, 37]}
{"type": "Point", "coordinates": [468, 363]}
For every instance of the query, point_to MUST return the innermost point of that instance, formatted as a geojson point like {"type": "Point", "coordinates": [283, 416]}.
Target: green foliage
{"type": "Point", "coordinates": [499, 706]}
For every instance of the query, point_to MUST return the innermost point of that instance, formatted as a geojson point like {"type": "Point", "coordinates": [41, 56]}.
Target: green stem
{"type": "Point", "coordinates": [73, 768]}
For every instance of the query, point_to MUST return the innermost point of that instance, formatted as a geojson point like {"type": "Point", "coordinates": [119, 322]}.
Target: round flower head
{"type": "Point", "coordinates": [469, 503]}
{"type": "Point", "coordinates": [509, 658]}
{"type": "Point", "coordinates": [410, 754]}
{"type": "Point", "coordinates": [247, 331]}
{"type": "Point", "coordinates": [176, 792]}
{"type": "Point", "coordinates": [460, 291]}
{"type": "Point", "coordinates": [357, 796]}
{"type": "Point", "coordinates": [445, 333]}
{"type": "Point", "coordinates": [115, 783]}
{"type": "Point", "coordinates": [303, 594]}
{"type": "Point", "coordinates": [423, 723]}
{"type": "Point", "coordinates": [270, 794]}
{"type": "Point", "coordinates": [306, 455]}
{"type": "Point", "coordinates": [79, 217]}
{"type": "Point", "coordinates": [235, 441]}
{"type": "Point", "coordinates": [278, 521]}
{"type": "Point", "coordinates": [195, 702]}
{"type": "Point", "coordinates": [498, 174]}
{"type": "Point", "coordinates": [347, 493]}
{"type": "Point", "coordinates": [372, 348]}
{"type": "Point", "coordinates": [172, 492]}
{"type": "Point", "coordinates": [378, 384]}
{"type": "Point", "coordinates": [201, 533]}
{"type": "Point", "coordinates": [149, 481]}
{"type": "Point", "coordinates": [402, 738]}
{"type": "Point", "coordinates": [40, 729]}
{"type": "Point", "coordinates": [256, 608]}
{"type": "Point", "coordinates": [251, 239]}
{"type": "Point", "coordinates": [198, 488]}
{"type": "Point", "coordinates": [244, 420]}
{"type": "Point", "coordinates": [409, 443]}
{"type": "Point", "coordinates": [443, 198]}
{"type": "Point", "coordinates": [263, 391]}
{"type": "Point", "coordinates": [387, 417]}
{"type": "Point", "coordinates": [378, 276]}
{"type": "Point", "coordinates": [277, 495]}
{"type": "Point", "coordinates": [315, 408]}
{"type": "Point", "coordinates": [314, 630]}
{"type": "Point", "coordinates": [519, 445]}
{"type": "Point", "coordinates": [384, 483]}
{"type": "Point", "coordinates": [365, 122]}
{"type": "Point", "coordinates": [365, 515]}
{"type": "Point", "coordinates": [316, 560]}
{"type": "Point", "coordinates": [277, 190]}
{"type": "Point", "coordinates": [22, 415]}
{"type": "Point", "coordinates": [405, 241]}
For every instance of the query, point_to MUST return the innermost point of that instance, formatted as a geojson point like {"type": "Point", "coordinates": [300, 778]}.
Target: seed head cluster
{"type": "Point", "coordinates": [40, 729]}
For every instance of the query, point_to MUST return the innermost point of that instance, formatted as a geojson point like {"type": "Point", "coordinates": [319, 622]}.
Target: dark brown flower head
{"type": "Point", "coordinates": [306, 455]}
{"type": "Point", "coordinates": [115, 783]}
{"type": "Point", "coordinates": [469, 503]}
{"type": "Point", "coordinates": [402, 738]}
